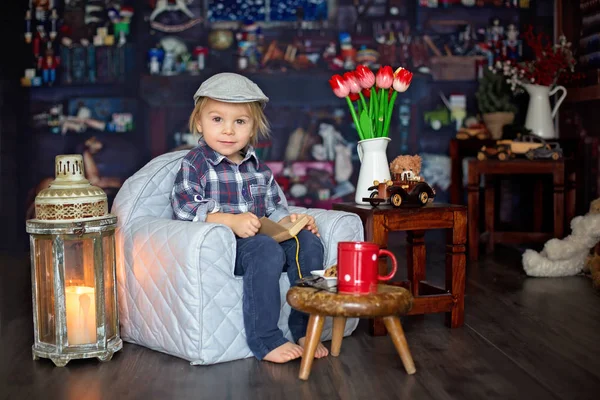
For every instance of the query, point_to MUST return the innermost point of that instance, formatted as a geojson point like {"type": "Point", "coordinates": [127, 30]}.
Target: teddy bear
{"type": "Point", "coordinates": [571, 255]}
{"type": "Point", "coordinates": [408, 167]}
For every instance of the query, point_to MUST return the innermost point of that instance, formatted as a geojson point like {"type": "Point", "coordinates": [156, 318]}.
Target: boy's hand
{"type": "Point", "coordinates": [245, 225]}
{"type": "Point", "coordinates": [311, 226]}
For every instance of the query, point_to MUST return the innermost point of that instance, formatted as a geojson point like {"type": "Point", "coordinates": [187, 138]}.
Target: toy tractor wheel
{"type": "Point", "coordinates": [423, 198]}
{"type": "Point", "coordinates": [502, 156]}
{"type": "Point", "coordinates": [555, 156]}
{"type": "Point", "coordinates": [396, 200]}
{"type": "Point", "coordinates": [481, 156]}
{"type": "Point", "coordinates": [374, 195]}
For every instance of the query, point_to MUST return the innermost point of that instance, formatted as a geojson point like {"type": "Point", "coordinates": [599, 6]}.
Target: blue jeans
{"type": "Point", "coordinates": [261, 260]}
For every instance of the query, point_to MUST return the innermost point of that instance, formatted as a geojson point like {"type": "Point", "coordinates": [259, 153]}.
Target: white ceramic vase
{"type": "Point", "coordinates": [374, 166]}
{"type": "Point", "coordinates": [540, 116]}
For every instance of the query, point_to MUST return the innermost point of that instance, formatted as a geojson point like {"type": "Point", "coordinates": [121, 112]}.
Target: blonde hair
{"type": "Point", "coordinates": [260, 126]}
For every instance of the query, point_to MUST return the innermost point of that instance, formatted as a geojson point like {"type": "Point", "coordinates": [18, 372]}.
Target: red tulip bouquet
{"type": "Point", "coordinates": [371, 97]}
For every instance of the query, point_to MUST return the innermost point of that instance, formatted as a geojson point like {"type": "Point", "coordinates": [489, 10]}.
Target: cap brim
{"type": "Point", "coordinates": [262, 101]}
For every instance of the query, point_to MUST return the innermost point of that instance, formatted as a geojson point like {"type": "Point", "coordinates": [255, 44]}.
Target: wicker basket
{"type": "Point", "coordinates": [455, 68]}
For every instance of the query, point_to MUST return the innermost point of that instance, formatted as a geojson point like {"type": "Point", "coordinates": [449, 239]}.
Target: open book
{"type": "Point", "coordinates": [282, 231]}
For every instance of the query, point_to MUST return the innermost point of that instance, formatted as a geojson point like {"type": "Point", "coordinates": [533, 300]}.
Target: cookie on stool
{"type": "Point", "coordinates": [331, 271]}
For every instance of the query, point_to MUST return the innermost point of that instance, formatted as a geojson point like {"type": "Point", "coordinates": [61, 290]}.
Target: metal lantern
{"type": "Point", "coordinates": [73, 269]}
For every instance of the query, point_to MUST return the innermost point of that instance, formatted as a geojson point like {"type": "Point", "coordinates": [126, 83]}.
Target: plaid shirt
{"type": "Point", "coordinates": [208, 182]}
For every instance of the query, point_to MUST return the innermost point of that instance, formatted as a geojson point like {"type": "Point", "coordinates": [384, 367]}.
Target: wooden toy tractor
{"type": "Point", "coordinates": [401, 190]}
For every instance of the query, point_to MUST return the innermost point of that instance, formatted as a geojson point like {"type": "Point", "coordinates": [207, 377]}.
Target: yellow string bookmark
{"type": "Point", "coordinates": [297, 253]}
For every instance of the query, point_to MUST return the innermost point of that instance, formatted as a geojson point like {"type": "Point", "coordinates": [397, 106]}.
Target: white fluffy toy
{"type": "Point", "coordinates": [565, 257]}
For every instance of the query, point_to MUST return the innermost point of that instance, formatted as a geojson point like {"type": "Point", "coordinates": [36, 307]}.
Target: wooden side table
{"type": "Point", "coordinates": [428, 298]}
{"type": "Point", "coordinates": [388, 302]}
{"type": "Point", "coordinates": [458, 150]}
{"type": "Point", "coordinates": [490, 168]}
{"type": "Point", "coordinates": [574, 149]}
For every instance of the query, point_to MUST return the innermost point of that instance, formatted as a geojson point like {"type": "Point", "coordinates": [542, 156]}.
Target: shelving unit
{"type": "Point", "coordinates": [427, 95]}
{"type": "Point", "coordinates": [578, 114]}
{"type": "Point", "coordinates": [165, 100]}
{"type": "Point", "coordinates": [123, 152]}
{"type": "Point", "coordinates": [582, 94]}
{"type": "Point", "coordinates": [60, 92]}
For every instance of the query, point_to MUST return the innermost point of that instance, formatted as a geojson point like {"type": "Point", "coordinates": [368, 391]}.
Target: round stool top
{"type": "Point", "coordinates": [389, 300]}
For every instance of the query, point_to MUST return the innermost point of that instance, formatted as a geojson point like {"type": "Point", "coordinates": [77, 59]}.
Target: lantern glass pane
{"type": "Point", "coordinates": [80, 291]}
{"type": "Point", "coordinates": [44, 276]}
{"type": "Point", "coordinates": [108, 247]}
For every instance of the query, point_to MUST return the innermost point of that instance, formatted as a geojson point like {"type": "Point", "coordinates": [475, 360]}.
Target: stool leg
{"type": "Point", "coordinates": [313, 336]}
{"type": "Point", "coordinates": [339, 323]}
{"type": "Point", "coordinates": [395, 330]}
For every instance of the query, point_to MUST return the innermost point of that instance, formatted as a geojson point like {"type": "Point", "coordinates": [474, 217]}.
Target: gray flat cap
{"type": "Point", "coordinates": [230, 88]}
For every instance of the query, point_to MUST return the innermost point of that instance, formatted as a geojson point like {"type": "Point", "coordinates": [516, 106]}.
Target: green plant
{"type": "Point", "coordinates": [494, 94]}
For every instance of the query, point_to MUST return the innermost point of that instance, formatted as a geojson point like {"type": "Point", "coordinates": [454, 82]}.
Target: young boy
{"type": "Point", "coordinates": [222, 181]}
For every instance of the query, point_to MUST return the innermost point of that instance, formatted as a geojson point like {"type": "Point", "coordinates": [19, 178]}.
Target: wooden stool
{"type": "Point", "coordinates": [388, 302]}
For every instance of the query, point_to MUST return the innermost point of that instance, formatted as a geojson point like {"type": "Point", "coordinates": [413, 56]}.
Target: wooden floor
{"type": "Point", "coordinates": [524, 338]}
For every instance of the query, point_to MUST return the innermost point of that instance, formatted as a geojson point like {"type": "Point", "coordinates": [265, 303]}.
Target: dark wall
{"type": "Point", "coordinates": [13, 160]}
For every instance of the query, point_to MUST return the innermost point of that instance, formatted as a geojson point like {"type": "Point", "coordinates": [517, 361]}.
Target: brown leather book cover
{"type": "Point", "coordinates": [281, 232]}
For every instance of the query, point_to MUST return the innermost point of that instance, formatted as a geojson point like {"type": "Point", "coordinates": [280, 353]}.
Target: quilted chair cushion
{"type": "Point", "coordinates": [177, 291]}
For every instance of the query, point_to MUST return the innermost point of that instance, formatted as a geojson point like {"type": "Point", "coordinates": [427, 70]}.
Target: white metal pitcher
{"type": "Point", "coordinates": [540, 116]}
{"type": "Point", "coordinates": [374, 166]}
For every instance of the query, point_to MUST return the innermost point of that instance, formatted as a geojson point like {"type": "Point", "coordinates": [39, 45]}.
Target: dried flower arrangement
{"type": "Point", "coordinates": [553, 63]}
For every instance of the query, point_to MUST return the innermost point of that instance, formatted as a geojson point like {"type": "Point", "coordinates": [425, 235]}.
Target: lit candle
{"type": "Point", "coordinates": [81, 314]}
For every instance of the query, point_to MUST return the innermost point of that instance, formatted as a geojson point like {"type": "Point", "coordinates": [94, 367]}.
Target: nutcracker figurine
{"type": "Point", "coordinates": [48, 65]}
{"type": "Point", "coordinates": [494, 37]}
{"type": "Point", "coordinates": [512, 46]}
{"type": "Point", "coordinates": [42, 10]}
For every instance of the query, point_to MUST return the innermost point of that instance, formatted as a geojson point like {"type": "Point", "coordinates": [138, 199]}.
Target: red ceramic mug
{"type": "Point", "coordinates": [358, 267]}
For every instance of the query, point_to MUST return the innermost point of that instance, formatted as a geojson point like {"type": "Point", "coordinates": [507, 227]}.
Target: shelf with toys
{"type": "Point", "coordinates": [80, 60]}
{"type": "Point", "coordinates": [463, 39]}
{"type": "Point", "coordinates": [76, 43]}
{"type": "Point", "coordinates": [63, 92]}
{"type": "Point", "coordinates": [173, 46]}
{"type": "Point", "coordinates": [473, 4]}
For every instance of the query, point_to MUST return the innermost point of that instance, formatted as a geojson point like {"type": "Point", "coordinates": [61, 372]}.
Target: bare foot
{"type": "Point", "coordinates": [321, 350]}
{"type": "Point", "coordinates": [284, 353]}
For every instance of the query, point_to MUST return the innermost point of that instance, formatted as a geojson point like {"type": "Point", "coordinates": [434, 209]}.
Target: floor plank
{"type": "Point", "coordinates": [541, 325]}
